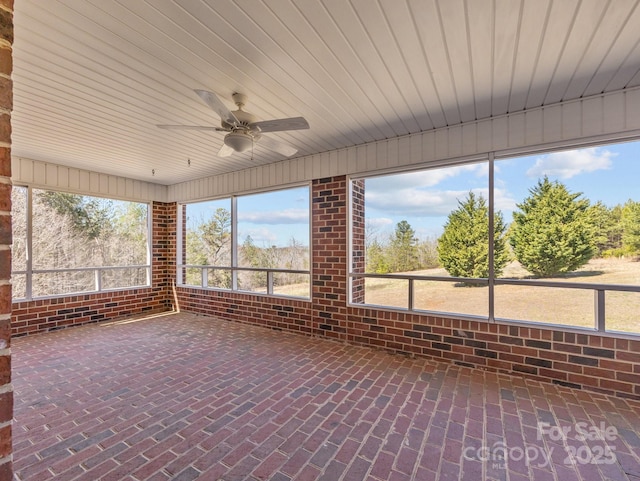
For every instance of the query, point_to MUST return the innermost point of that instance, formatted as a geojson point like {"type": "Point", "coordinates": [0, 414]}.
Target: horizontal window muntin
{"type": "Point", "coordinates": [95, 285]}
{"type": "Point", "coordinates": [253, 243]}
{"type": "Point", "coordinates": [270, 287]}
{"type": "Point", "coordinates": [600, 304]}
{"type": "Point", "coordinates": [597, 291]}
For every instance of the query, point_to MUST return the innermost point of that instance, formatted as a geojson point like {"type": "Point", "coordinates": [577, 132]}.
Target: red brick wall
{"type": "Point", "coordinates": [163, 251]}
{"type": "Point", "coordinates": [358, 253]}
{"type": "Point", "coordinates": [586, 361]}
{"type": "Point", "coordinates": [6, 104]}
{"type": "Point", "coordinates": [183, 240]}
{"type": "Point", "coordinates": [272, 312]}
{"type": "Point", "coordinates": [329, 248]}
{"type": "Point", "coordinates": [580, 360]}
{"type": "Point", "coordinates": [42, 315]}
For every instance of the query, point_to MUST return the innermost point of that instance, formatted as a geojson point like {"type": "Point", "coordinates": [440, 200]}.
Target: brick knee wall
{"type": "Point", "coordinates": [587, 361]}
{"type": "Point", "coordinates": [43, 315]}
{"type": "Point", "coordinates": [6, 104]}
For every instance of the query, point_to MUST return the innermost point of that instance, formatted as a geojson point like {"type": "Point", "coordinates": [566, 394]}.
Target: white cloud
{"type": "Point", "coordinates": [286, 216]}
{"type": "Point", "coordinates": [416, 202]}
{"type": "Point", "coordinates": [424, 203]}
{"type": "Point", "coordinates": [378, 222]}
{"type": "Point", "coordinates": [409, 194]}
{"type": "Point", "coordinates": [570, 163]}
{"type": "Point", "coordinates": [378, 227]}
{"type": "Point", "coordinates": [423, 178]}
{"type": "Point", "coordinates": [503, 201]}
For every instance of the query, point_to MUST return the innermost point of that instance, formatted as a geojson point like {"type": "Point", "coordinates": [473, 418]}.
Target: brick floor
{"type": "Point", "coordinates": [185, 397]}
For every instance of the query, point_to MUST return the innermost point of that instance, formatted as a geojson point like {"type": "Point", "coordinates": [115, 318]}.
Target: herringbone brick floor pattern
{"type": "Point", "coordinates": [185, 397]}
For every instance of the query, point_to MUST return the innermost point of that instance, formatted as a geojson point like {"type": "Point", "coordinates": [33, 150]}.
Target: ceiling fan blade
{"type": "Point", "coordinates": [190, 127]}
{"type": "Point", "coordinates": [277, 125]}
{"type": "Point", "coordinates": [284, 149]}
{"type": "Point", "coordinates": [216, 104]}
{"type": "Point", "coordinates": [225, 151]}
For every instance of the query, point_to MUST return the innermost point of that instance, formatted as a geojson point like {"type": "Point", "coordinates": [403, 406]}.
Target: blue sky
{"type": "Point", "coordinates": [270, 218]}
{"type": "Point", "coordinates": [273, 218]}
{"type": "Point", "coordinates": [608, 173]}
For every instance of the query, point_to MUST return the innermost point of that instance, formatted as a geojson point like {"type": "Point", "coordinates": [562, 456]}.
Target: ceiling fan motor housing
{"type": "Point", "coordinates": [245, 118]}
{"type": "Point", "coordinates": [239, 140]}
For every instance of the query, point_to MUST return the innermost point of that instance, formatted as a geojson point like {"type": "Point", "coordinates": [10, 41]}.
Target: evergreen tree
{"type": "Point", "coordinates": [90, 225]}
{"type": "Point", "coordinates": [216, 235]}
{"type": "Point", "coordinates": [257, 257]}
{"type": "Point", "coordinates": [250, 253]}
{"type": "Point", "coordinates": [463, 247]}
{"type": "Point", "coordinates": [608, 228]}
{"type": "Point", "coordinates": [210, 244]}
{"type": "Point", "coordinates": [553, 233]}
{"type": "Point", "coordinates": [631, 227]}
{"type": "Point", "coordinates": [89, 216]}
{"type": "Point", "coordinates": [404, 248]}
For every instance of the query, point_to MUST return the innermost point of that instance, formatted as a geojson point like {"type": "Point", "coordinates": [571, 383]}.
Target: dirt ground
{"type": "Point", "coordinates": [574, 307]}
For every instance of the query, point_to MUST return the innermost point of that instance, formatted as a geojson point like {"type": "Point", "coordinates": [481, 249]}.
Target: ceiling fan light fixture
{"type": "Point", "coordinates": [239, 141]}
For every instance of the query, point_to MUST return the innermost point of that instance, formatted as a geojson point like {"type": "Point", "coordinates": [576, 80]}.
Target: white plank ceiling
{"type": "Point", "coordinates": [92, 78]}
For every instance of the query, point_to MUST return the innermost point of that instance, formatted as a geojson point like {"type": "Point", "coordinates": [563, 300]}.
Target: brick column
{"type": "Point", "coordinates": [358, 247]}
{"type": "Point", "coordinates": [163, 250]}
{"type": "Point", "coordinates": [329, 248]}
{"type": "Point", "coordinates": [183, 238]}
{"type": "Point", "coordinates": [6, 104]}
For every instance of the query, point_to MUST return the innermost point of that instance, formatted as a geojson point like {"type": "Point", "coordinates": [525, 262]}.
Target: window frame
{"type": "Point", "coordinates": [492, 281]}
{"type": "Point", "coordinates": [29, 271]}
{"type": "Point", "coordinates": [234, 267]}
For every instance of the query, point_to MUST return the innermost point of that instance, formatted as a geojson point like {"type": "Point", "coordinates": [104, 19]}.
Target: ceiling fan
{"type": "Point", "coordinates": [243, 128]}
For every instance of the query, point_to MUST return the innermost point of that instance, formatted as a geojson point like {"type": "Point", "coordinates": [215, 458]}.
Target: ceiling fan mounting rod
{"type": "Point", "coordinates": [239, 99]}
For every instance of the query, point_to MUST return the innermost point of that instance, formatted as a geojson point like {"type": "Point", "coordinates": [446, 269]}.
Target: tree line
{"type": "Point", "coordinates": [208, 242]}
{"type": "Point", "coordinates": [554, 231]}
{"type": "Point", "coordinates": [75, 231]}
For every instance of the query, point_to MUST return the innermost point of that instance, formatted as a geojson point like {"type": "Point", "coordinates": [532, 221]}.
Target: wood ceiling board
{"type": "Point", "coordinates": [532, 30]}
{"type": "Point", "coordinates": [556, 30]}
{"type": "Point", "coordinates": [323, 51]}
{"type": "Point", "coordinates": [96, 76]}
{"type": "Point", "coordinates": [479, 23]}
{"type": "Point", "coordinates": [432, 38]}
{"type": "Point", "coordinates": [616, 19]}
{"type": "Point", "coordinates": [454, 24]}
{"type": "Point", "coordinates": [577, 48]}
{"type": "Point", "coordinates": [507, 33]}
